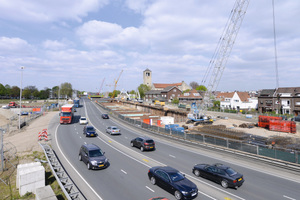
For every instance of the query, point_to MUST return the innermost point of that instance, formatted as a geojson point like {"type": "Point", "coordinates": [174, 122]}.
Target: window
{"type": "Point", "coordinates": [147, 73]}
{"type": "Point", "coordinates": [174, 90]}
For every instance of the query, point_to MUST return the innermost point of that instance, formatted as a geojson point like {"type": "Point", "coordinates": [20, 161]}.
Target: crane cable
{"type": "Point", "coordinates": [275, 46]}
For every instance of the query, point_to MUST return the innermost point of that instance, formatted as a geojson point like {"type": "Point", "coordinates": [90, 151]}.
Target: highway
{"type": "Point", "coordinates": [126, 177]}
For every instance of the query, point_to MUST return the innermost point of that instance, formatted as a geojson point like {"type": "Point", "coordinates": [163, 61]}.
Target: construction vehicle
{"type": "Point", "coordinates": [218, 62]}
{"type": "Point", "coordinates": [13, 104]}
{"type": "Point", "coordinates": [115, 85]}
{"type": "Point", "coordinates": [195, 117]}
{"type": "Point", "coordinates": [159, 102]}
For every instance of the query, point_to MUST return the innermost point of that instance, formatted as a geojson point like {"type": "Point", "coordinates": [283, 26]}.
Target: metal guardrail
{"type": "Point", "coordinates": [65, 182]}
{"type": "Point", "coordinates": [290, 160]}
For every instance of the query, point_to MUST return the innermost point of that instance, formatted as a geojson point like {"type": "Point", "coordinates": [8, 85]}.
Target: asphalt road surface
{"type": "Point", "coordinates": [126, 177]}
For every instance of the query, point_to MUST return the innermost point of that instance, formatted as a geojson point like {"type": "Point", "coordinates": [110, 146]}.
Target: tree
{"type": "Point", "coordinates": [55, 91]}
{"type": "Point", "coordinates": [66, 89]}
{"type": "Point", "coordinates": [15, 91]}
{"type": "Point", "coordinates": [117, 92]}
{"type": "Point", "coordinates": [8, 89]}
{"type": "Point", "coordinates": [217, 104]}
{"type": "Point", "coordinates": [185, 91]}
{"type": "Point", "coordinates": [143, 89]}
{"type": "Point", "coordinates": [201, 88]}
{"type": "Point", "coordinates": [194, 84]}
{"type": "Point", "coordinates": [2, 90]}
{"type": "Point", "coordinates": [175, 101]}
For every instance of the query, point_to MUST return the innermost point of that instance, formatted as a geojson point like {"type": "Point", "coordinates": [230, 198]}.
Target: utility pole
{"type": "Point", "coordinates": [20, 97]}
{"type": "Point", "coordinates": [2, 151]}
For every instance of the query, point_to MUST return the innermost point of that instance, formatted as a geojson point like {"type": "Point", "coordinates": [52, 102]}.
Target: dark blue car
{"type": "Point", "coordinates": [89, 131]}
{"type": "Point", "coordinates": [173, 181]}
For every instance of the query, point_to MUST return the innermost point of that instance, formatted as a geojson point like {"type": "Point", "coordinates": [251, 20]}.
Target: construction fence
{"type": "Point", "coordinates": [288, 155]}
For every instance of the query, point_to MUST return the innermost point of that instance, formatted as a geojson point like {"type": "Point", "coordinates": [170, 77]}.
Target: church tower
{"type": "Point", "coordinates": [147, 77]}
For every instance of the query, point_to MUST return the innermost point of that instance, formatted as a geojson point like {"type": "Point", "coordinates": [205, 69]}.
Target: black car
{"type": "Point", "coordinates": [143, 143]}
{"type": "Point", "coordinates": [93, 156]}
{"type": "Point", "coordinates": [173, 181]}
{"type": "Point", "coordinates": [89, 131]}
{"type": "Point", "coordinates": [105, 116]}
{"type": "Point", "coordinates": [219, 173]}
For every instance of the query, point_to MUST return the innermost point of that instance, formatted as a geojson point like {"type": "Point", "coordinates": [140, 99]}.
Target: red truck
{"type": "Point", "coordinates": [12, 104]}
{"type": "Point", "coordinates": [66, 114]}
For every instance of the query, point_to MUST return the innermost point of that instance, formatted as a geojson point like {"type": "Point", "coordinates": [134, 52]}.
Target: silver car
{"type": "Point", "coordinates": [113, 130]}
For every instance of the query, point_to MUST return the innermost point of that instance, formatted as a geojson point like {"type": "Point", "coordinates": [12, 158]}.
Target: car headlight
{"type": "Point", "coordinates": [94, 162]}
{"type": "Point", "coordinates": [184, 192]}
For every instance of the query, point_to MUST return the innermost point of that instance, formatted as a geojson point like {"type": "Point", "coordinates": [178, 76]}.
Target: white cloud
{"type": "Point", "coordinates": [54, 45]}
{"type": "Point", "coordinates": [49, 10]}
{"type": "Point", "coordinates": [14, 46]}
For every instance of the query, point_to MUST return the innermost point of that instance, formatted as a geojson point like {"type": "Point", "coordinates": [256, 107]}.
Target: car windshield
{"type": "Point", "coordinates": [96, 153]}
{"type": "Point", "coordinates": [114, 128]}
{"type": "Point", "coordinates": [82, 118]}
{"type": "Point", "coordinates": [176, 176]}
{"type": "Point", "coordinates": [90, 129]}
{"type": "Point", "coordinates": [149, 141]}
{"type": "Point", "coordinates": [230, 171]}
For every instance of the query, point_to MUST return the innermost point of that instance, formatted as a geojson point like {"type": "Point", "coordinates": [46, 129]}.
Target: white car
{"type": "Point", "coordinates": [113, 130]}
{"type": "Point", "coordinates": [5, 107]}
{"type": "Point", "coordinates": [83, 120]}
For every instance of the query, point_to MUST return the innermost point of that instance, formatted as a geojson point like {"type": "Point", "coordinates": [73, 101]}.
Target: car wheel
{"type": "Point", "coordinates": [131, 143]}
{"type": "Point", "coordinates": [153, 180]}
{"type": "Point", "coordinates": [88, 166]}
{"type": "Point", "coordinates": [178, 195]}
{"type": "Point", "coordinates": [224, 184]}
{"type": "Point", "coordinates": [79, 158]}
{"type": "Point", "coordinates": [142, 148]}
{"type": "Point", "coordinates": [197, 172]}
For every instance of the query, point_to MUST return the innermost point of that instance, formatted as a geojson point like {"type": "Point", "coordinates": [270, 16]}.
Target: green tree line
{"type": "Point", "coordinates": [31, 92]}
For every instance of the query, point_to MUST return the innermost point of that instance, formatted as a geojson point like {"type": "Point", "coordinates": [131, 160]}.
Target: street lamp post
{"type": "Point", "coordinates": [21, 97]}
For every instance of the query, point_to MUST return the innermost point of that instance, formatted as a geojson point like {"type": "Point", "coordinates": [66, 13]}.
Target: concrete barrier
{"type": "Point", "coordinates": [30, 179]}
{"type": "Point", "coordinates": [21, 167]}
{"type": "Point", "coordinates": [45, 193]}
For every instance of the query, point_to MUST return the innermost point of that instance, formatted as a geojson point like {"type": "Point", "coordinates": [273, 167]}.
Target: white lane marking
{"type": "Point", "coordinates": [126, 137]}
{"type": "Point", "coordinates": [206, 195]}
{"type": "Point", "coordinates": [172, 156]}
{"type": "Point", "coordinates": [73, 166]}
{"type": "Point", "coordinates": [203, 154]}
{"type": "Point", "coordinates": [80, 137]}
{"type": "Point", "coordinates": [150, 189]}
{"type": "Point", "coordinates": [288, 197]}
{"type": "Point", "coordinates": [159, 163]}
{"type": "Point", "coordinates": [123, 171]}
{"type": "Point", "coordinates": [85, 143]}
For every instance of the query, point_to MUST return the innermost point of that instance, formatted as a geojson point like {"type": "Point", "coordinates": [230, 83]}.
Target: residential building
{"type": "Point", "coordinates": [285, 100]}
{"type": "Point", "coordinates": [167, 94]}
{"type": "Point", "coordinates": [190, 96]}
{"type": "Point", "coordinates": [237, 100]}
{"type": "Point", "coordinates": [160, 86]}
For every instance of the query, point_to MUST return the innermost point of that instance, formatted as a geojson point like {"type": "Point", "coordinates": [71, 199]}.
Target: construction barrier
{"type": "Point", "coordinates": [44, 134]}
{"type": "Point", "coordinates": [264, 121]}
{"type": "Point", "coordinates": [282, 126]}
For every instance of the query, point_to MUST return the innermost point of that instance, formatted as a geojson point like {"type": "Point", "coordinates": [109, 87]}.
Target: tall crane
{"type": "Point", "coordinates": [115, 86]}
{"type": "Point", "coordinates": [101, 85]}
{"type": "Point", "coordinates": [219, 59]}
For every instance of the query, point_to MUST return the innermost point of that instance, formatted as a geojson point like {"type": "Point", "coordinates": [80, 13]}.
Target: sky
{"type": "Point", "coordinates": [84, 42]}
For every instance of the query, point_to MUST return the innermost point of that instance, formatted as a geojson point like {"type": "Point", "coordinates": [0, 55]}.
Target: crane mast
{"type": "Point", "coordinates": [222, 52]}
{"type": "Point", "coordinates": [115, 86]}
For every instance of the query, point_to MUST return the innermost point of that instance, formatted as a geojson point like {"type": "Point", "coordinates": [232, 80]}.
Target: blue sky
{"type": "Point", "coordinates": [84, 41]}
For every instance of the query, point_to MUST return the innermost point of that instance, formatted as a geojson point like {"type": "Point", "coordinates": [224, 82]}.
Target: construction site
{"type": "Point", "coordinates": [236, 127]}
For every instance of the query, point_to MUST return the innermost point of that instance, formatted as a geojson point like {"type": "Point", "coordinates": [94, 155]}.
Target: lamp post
{"type": "Point", "coordinates": [21, 96]}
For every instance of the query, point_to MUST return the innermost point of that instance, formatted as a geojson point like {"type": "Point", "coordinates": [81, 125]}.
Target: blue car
{"type": "Point", "coordinates": [89, 131]}
{"type": "Point", "coordinates": [173, 181]}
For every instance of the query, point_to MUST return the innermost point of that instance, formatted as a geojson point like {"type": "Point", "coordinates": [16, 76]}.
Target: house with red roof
{"type": "Point", "coordinates": [190, 96]}
{"type": "Point", "coordinates": [160, 86]}
{"type": "Point", "coordinates": [237, 100]}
